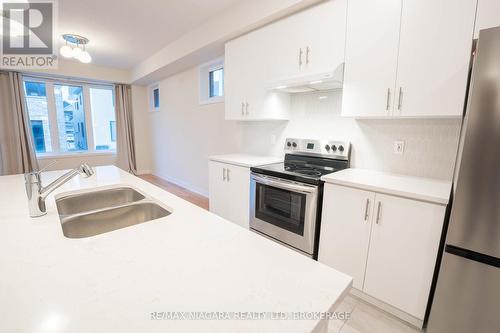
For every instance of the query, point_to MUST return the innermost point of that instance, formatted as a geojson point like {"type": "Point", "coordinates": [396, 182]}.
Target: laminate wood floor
{"type": "Point", "coordinates": [177, 190]}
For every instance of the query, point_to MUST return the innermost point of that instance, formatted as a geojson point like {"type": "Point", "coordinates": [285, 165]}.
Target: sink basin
{"type": "Point", "coordinates": [89, 201]}
{"type": "Point", "coordinates": [91, 213]}
{"type": "Point", "coordinates": [106, 220]}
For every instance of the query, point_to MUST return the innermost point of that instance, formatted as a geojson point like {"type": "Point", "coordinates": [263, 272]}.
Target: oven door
{"type": "Point", "coordinates": [284, 210]}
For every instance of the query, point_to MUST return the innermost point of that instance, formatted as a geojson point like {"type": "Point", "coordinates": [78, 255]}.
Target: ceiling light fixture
{"type": "Point", "coordinates": [75, 48]}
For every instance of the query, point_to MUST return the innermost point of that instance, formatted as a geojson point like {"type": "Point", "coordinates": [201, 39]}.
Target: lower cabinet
{"type": "Point", "coordinates": [388, 244]}
{"type": "Point", "coordinates": [229, 192]}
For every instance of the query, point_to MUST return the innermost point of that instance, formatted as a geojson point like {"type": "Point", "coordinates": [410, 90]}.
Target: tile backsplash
{"type": "Point", "coordinates": [430, 144]}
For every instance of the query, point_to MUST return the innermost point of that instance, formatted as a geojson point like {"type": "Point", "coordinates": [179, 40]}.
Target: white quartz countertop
{"type": "Point", "coordinates": [191, 260]}
{"type": "Point", "coordinates": [432, 190]}
{"type": "Point", "coordinates": [246, 160]}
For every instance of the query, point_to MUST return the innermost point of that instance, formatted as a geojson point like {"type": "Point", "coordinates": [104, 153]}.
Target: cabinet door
{"type": "Point", "coordinates": [403, 250]}
{"type": "Point", "coordinates": [247, 80]}
{"type": "Point", "coordinates": [345, 230]}
{"type": "Point", "coordinates": [322, 29]}
{"type": "Point", "coordinates": [283, 54]}
{"type": "Point", "coordinates": [217, 189]}
{"type": "Point", "coordinates": [238, 195]}
{"type": "Point", "coordinates": [434, 55]}
{"type": "Point", "coordinates": [237, 54]}
{"type": "Point", "coordinates": [229, 192]}
{"type": "Point", "coordinates": [371, 57]}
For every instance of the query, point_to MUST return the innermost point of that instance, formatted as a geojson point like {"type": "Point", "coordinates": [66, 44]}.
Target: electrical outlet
{"type": "Point", "coordinates": [399, 147]}
{"type": "Point", "coordinates": [272, 139]}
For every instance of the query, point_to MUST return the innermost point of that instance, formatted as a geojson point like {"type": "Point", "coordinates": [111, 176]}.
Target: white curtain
{"type": "Point", "coordinates": [125, 128]}
{"type": "Point", "coordinates": [17, 153]}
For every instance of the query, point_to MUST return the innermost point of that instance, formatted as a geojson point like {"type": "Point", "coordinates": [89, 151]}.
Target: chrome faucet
{"type": "Point", "coordinates": [37, 193]}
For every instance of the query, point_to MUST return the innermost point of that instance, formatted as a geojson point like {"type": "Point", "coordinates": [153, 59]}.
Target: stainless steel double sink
{"type": "Point", "coordinates": [103, 210]}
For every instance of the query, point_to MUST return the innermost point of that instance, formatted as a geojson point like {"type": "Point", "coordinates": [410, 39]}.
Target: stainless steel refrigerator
{"type": "Point", "coordinates": [467, 296]}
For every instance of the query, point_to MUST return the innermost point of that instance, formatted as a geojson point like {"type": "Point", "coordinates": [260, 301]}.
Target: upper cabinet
{"type": "Point", "coordinates": [246, 73]}
{"type": "Point", "coordinates": [407, 58]}
{"type": "Point", "coordinates": [309, 42]}
{"type": "Point", "coordinates": [371, 57]}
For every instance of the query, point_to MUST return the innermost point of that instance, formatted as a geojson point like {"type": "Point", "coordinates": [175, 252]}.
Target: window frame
{"type": "Point", "coordinates": [52, 115]}
{"type": "Point", "coordinates": [204, 81]}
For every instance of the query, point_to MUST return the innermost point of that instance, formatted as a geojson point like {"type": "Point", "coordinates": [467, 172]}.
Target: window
{"type": "Point", "coordinates": [154, 98]}
{"type": "Point", "coordinates": [70, 117]}
{"type": "Point", "coordinates": [212, 82]}
{"type": "Point", "coordinates": [216, 82]}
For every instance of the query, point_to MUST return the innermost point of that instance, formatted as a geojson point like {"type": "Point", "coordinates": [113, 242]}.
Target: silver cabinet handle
{"type": "Point", "coordinates": [378, 212]}
{"type": "Point", "coordinates": [242, 108]}
{"type": "Point", "coordinates": [246, 107]}
{"type": "Point", "coordinates": [307, 54]}
{"type": "Point", "coordinates": [400, 98]}
{"type": "Point", "coordinates": [227, 173]}
{"type": "Point", "coordinates": [366, 209]}
{"type": "Point", "coordinates": [300, 57]}
{"type": "Point", "coordinates": [388, 101]}
{"type": "Point", "coordinates": [223, 174]}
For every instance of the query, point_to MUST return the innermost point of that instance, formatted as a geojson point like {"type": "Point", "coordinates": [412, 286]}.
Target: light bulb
{"type": "Point", "coordinates": [84, 57]}
{"type": "Point", "coordinates": [66, 51]}
{"type": "Point", "coordinates": [76, 52]}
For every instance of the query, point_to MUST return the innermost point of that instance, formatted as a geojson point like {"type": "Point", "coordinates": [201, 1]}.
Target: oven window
{"type": "Point", "coordinates": [282, 208]}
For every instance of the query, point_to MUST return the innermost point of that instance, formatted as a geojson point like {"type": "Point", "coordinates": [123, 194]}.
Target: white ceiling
{"type": "Point", "coordinates": [124, 32]}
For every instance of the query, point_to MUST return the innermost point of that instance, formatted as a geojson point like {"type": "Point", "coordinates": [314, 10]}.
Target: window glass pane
{"type": "Point", "coordinates": [216, 82]}
{"type": "Point", "coordinates": [36, 102]}
{"type": "Point", "coordinates": [156, 98]}
{"type": "Point", "coordinates": [70, 118]}
{"type": "Point", "coordinates": [102, 106]}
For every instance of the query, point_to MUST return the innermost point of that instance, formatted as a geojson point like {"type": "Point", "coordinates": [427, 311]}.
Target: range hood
{"type": "Point", "coordinates": [309, 83]}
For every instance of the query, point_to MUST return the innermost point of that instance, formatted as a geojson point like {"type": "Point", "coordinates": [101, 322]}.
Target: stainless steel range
{"type": "Point", "coordinates": [286, 198]}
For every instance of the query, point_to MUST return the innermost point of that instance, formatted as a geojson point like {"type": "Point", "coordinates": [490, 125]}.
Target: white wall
{"type": "Point", "coordinates": [184, 133]}
{"type": "Point", "coordinates": [76, 69]}
{"type": "Point", "coordinates": [430, 144]}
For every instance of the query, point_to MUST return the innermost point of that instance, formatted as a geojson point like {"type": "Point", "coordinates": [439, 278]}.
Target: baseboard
{"type": "Point", "coordinates": [388, 308]}
{"type": "Point", "coordinates": [184, 184]}
{"type": "Point", "coordinates": [144, 172]}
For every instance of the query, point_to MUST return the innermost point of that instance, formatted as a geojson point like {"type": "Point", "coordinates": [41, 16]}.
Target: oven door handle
{"type": "Point", "coordinates": [283, 184]}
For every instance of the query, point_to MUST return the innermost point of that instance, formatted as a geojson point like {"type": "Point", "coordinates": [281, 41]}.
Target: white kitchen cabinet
{"type": "Point", "coordinates": [407, 58]}
{"type": "Point", "coordinates": [389, 246]}
{"type": "Point", "coordinates": [345, 230]}
{"type": "Point", "coordinates": [434, 56]}
{"type": "Point", "coordinates": [229, 192]}
{"type": "Point", "coordinates": [247, 94]}
{"type": "Point", "coordinates": [370, 57]}
{"type": "Point", "coordinates": [309, 42]}
{"type": "Point", "coordinates": [404, 244]}
{"type": "Point", "coordinates": [487, 15]}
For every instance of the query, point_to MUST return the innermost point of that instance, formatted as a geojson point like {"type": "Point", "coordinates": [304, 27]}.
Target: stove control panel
{"type": "Point", "coordinates": [328, 149]}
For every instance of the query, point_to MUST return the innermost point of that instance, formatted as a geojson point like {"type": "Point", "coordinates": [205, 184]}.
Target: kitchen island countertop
{"type": "Point", "coordinates": [127, 280]}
